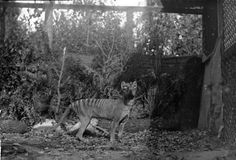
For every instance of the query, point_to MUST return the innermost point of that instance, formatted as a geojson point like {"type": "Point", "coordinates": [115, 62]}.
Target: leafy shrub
{"type": "Point", "coordinates": [9, 55]}
{"type": "Point", "coordinates": [174, 34]}
{"type": "Point", "coordinates": [16, 89]}
{"type": "Point", "coordinates": [78, 83]}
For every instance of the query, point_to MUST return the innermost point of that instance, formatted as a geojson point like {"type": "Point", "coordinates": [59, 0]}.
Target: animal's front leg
{"type": "Point", "coordinates": [113, 131]}
{"type": "Point", "coordinates": [121, 130]}
{"type": "Point", "coordinates": [121, 127]}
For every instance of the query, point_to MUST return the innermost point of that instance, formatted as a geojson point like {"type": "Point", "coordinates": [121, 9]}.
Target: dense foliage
{"type": "Point", "coordinates": [30, 72]}
{"type": "Point", "coordinates": [173, 34]}
{"type": "Point", "coordinates": [98, 35]}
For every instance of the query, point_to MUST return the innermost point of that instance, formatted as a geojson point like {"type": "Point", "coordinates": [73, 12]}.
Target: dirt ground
{"type": "Point", "coordinates": [138, 143]}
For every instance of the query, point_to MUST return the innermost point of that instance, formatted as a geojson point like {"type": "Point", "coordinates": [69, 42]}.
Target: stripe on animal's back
{"type": "Point", "coordinates": [103, 102]}
{"type": "Point", "coordinates": [77, 107]}
{"type": "Point", "coordinates": [98, 103]}
{"type": "Point", "coordinates": [90, 102]}
{"type": "Point", "coordinates": [84, 105]}
{"type": "Point", "coordinates": [81, 106]}
{"type": "Point", "coordinates": [93, 102]}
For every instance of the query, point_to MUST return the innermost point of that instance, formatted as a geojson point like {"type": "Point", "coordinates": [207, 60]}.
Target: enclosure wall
{"type": "Point", "coordinates": [190, 70]}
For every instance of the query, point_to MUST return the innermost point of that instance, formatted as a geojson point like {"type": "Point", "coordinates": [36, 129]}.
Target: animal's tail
{"type": "Point", "coordinates": [65, 114]}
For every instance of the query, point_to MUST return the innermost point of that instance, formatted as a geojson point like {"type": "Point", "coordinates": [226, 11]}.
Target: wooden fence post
{"type": "Point", "coordinates": [48, 23]}
{"type": "Point", "coordinates": [2, 24]}
{"type": "Point", "coordinates": [129, 29]}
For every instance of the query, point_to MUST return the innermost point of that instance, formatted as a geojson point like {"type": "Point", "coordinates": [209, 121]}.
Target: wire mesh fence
{"type": "Point", "coordinates": [228, 69]}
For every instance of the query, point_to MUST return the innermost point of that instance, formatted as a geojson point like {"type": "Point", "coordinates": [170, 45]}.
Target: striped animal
{"type": "Point", "coordinates": [115, 110]}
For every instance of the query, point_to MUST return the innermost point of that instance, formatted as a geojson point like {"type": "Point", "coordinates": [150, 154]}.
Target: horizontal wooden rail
{"type": "Point", "coordinates": [104, 8]}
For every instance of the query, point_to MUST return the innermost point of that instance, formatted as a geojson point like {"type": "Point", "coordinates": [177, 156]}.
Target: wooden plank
{"type": "Point", "coordinates": [104, 8]}
{"type": "Point", "coordinates": [210, 26]}
{"type": "Point", "coordinates": [210, 34]}
{"type": "Point", "coordinates": [2, 25]}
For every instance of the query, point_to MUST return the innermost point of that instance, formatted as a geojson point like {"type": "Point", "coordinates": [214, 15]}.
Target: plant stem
{"type": "Point", "coordinates": [59, 81]}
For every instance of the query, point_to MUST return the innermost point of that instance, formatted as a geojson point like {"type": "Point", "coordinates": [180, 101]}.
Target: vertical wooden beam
{"type": "Point", "coordinates": [218, 123]}
{"type": "Point", "coordinates": [2, 24]}
{"type": "Point", "coordinates": [129, 29]}
{"type": "Point", "coordinates": [48, 23]}
{"type": "Point", "coordinates": [210, 26]}
{"type": "Point", "coordinates": [210, 34]}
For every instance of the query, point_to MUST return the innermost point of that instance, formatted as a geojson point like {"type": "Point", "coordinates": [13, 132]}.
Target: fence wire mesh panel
{"type": "Point", "coordinates": [229, 7]}
{"type": "Point", "coordinates": [228, 69]}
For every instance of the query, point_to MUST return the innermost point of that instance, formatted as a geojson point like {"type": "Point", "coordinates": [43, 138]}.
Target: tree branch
{"type": "Point", "coordinates": [101, 129]}
{"type": "Point", "coordinates": [59, 80]}
{"type": "Point", "coordinates": [112, 46]}
{"type": "Point", "coordinates": [100, 47]}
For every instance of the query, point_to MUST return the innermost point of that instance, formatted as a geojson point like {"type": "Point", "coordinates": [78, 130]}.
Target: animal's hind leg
{"type": "Point", "coordinates": [84, 123]}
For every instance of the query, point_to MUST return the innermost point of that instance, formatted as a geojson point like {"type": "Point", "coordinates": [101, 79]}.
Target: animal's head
{"type": "Point", "coordinates": [129, 92]}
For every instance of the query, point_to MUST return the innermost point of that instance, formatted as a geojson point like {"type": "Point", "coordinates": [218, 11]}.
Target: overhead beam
{"type": "Point", "coordinates": [104, 8]}
{"type": "Point", "coordinates": [180, 3]}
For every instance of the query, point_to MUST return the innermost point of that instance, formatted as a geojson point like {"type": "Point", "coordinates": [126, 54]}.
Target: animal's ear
{"type": "Point", "coordinates": [134, 85]}
{"type": "Point", "coordinates": [122, 84]}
